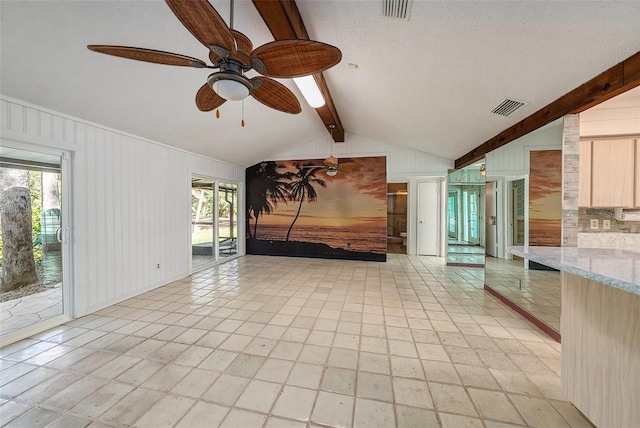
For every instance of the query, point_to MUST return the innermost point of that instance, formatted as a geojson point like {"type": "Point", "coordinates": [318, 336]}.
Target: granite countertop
{"type": "Point", "coordinates": [616, 268]}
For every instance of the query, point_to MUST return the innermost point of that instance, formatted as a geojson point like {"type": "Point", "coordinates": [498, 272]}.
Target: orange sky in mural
{"type": "Point", "coordinates": [545, 197]}
{"type": "Point", "coordinates": [352, 198]}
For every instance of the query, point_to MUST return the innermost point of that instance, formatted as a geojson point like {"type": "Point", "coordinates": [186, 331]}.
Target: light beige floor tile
{"type": "Point", "coordinates": [411, 417]}
{"type": "Point", "coordinates": [275, 422]}
{"type": "Point", "coordinates": [132, 407]}
{"type": "Point", "coordinates": [333, 410]}
{"type": "Point", "coordinates": [515, 381]}
{"type": "Point", "coordinates": [167, 377]}
{"type": "Point", "coordinates": [27, 381]}
{"type": "Point", "coordinates": [139, 373]}
{"type": "Point", "coordinates": [166, 412]}
{"type": "Point", "coordinates": [373, 414]}
{"type": "Point", "coordinates": [245, 365]}
{"type": "Point", "coordinates": [412, 392]}
{"type": "Point", "coordinates": [314, 354]}
{"type": "Point", "coordinates": [69, 421]}
{"type": "Point", "coordinates": [193, 356]}
{"type": "Point", "coordinates": [260, 346]}
{"type": "Point", "coordinates": [342, 381]}
{"type": "Point", "coordinates": [476, 376]}
{"type": "Point", "coordinates": [226, 389]}
{"type": "Point", "coordinates": [275, 370]}
{"type": "Point", "coordinates": [375, 386]}
{"type": "Point", "coordinates": [494, 405]}
{"type": "Point", "coordinates": [203, 415]}
{"type": "Point", "coordinates": [219, 360]}
{"type": "Point", "coordinates": [286, 351]}
{"type": "Point", "coordinates": [259, 396]}
{"type": "Point", "coordinates": [451, 398]}
{"type": "Point", "coordinates": [438, 371]}
{"type": "Point", "coordinates": [101, 400]}
{"type": "Point", "coordinates": [295, 403]}
{"type": "Point", "coordinates": [195, 383]}
{"type": "Point", "coordinates": [406, 367]}
{"type": "Point", "coordinates": [375, 363]}
{"type": "Point", "coordinates": [243, 418]}
{"type": "Point", "coordinates": [343, 358]}
{"type": "Point", "coordinates": [74, 393]}
{"type": "Point", "coordinates": [116, 367]}
{"type": "Point", "coordinates": [305, 375]}
{"type": "Point", "coordinates": [456, 421]}
{"type": "Point", "coordinates": [571, 414]}
{"type": "Point", "coordinates": [538, 413]}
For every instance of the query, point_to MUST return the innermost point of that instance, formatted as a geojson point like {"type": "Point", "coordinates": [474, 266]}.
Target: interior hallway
{"type": "Point", "coordinates": [294, 342]}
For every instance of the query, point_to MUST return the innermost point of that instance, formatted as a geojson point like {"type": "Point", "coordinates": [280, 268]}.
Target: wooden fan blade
{"type": "Point", "coordinates": [243, 48]}
{"type": "Point", "coordinates": [294, 58]}
{"type": "Point", "coordinates": [148, 55]}
{"type": "Point", "coordinates": [207, 99]}
{"type": "Point", "coordinates": [275, 95]}
{"type": "Point", "coordinates": [206, 25]}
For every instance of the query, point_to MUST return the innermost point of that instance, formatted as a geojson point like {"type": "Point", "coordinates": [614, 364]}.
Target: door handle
{"type": "Point", "coordinates": [59, 234]}
{"type": "Point", "coordinates": [421, 222]}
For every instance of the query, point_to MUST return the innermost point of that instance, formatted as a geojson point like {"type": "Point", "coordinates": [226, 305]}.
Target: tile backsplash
{"type": "Point", "coordinates": [586, 214]}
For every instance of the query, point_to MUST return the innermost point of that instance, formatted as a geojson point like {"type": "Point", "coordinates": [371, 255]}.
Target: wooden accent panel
{"type": "Point", "coordinates": [612, 172]}
{"type": "Point", "coordinates": [600, 329]}
{"type": "Point", "coordinates": [584, 174]}
{"type": "Point", "coordinates": [284, 21]}
{"type": "Point", "coordinates": [614, 81]}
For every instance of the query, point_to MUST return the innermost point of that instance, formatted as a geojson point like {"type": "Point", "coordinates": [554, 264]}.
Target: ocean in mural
{"type": "Point", "coordinates": [294, 208]}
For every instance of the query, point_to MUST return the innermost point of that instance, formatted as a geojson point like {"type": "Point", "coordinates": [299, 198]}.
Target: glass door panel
{"type": "Point", "coordinates": [227, 219]}
{"type": "Point", "coordinates": [33, 240]}
{"type": "Point", "coordinates": [202, 216]}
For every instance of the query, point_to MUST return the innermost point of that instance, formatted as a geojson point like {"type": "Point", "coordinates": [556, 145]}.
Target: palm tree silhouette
{"type": "Point", "coordinates": [265, 187]}
{"type": "Point", "coordinates": [302, 186]}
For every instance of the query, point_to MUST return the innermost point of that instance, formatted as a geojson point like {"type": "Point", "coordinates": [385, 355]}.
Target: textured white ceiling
{"type": "Point", "coordinates": [427, 83]}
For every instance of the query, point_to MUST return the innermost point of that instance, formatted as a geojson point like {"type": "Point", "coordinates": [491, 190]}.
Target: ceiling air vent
{"type": "Point", "coordinates": [507, 107]}
{"type": "Point", "coordinates": [396, 8]}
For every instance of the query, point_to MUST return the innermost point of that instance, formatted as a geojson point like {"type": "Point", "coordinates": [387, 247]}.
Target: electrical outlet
{"type": "Point", "coordinates": [594, 224]}
{"type": "Point", "coordinates": [606, 224]}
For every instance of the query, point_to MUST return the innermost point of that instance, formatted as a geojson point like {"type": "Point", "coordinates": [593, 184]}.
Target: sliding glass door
{"type": "Point", "coordinates": [202, 230]}
{"type": "Point", "coordinates": [34, 242]}
{"type": "Point", "coordinates": [227, 219]}
{"type": "Point", "coordinates": [214, 221]}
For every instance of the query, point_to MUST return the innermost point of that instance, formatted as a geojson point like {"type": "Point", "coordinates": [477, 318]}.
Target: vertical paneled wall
{"type": "Point", "coordinates": [130, 200]}
{"type": "Point", "coordinates": [402, 162]}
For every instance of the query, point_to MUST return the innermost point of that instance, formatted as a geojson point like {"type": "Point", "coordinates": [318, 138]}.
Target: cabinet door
{"type": "Point", "coordinates": [584, 174]}
{"type": "Point", "coordinates": [613, 172]}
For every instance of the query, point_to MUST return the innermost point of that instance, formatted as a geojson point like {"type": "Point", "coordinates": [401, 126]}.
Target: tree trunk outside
{"type": "Point", "coordinates": [50, 191]}
{"type": "Point", "coordinates": [18, 264]}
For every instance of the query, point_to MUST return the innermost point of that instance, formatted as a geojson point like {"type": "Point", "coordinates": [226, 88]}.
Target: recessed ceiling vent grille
{"type": "Point", "coordinates": [396, 8]}
{"type": "Point", "coordinates": [507, 107]}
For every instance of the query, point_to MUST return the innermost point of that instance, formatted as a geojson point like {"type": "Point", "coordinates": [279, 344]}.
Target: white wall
{"type": "Point", "coordinates": [402, 162]}
{"type": "Point", "coordinates": [513, 159]}
{"type": "Point", "coordinates": [130, 201]}
{"type": "Point", "coordinates": [617, 116]}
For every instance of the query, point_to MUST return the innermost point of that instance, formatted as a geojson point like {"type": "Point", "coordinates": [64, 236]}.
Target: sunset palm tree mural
{"type": "Point", "coordinates": [348, 219]}
{"type": "Point", "coordinates": [302, 186]}
{"type": "Point", "coordinates": [265, 187]}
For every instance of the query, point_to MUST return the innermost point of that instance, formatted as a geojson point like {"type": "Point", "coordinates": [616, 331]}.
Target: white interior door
{"type": "Point", "coordinates": [491, 219]}
{"type": "Point", "coordinates": [428, 209]}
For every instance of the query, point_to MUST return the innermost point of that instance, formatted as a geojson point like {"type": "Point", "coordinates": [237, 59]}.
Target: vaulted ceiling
{"type": "Point", "coordinates": [428, 82]}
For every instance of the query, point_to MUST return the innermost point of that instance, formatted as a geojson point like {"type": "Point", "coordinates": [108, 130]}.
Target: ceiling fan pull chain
{"type": "Point", "coordinates": [242, 122]}
{"type": "Point", "coordinates": [218, 113]}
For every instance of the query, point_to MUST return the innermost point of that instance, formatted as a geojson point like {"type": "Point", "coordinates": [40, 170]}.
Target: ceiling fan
{"type": "Point", "coordinates": [232, 54]}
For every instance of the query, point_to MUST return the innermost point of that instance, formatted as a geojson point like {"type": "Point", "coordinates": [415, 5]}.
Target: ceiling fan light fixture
{"type": "Point", "coordinates": [310, 91]}
{"type": "Point", "coordinates": [231, 90]}
{"type": "Point", "coordinates": [332, 171]}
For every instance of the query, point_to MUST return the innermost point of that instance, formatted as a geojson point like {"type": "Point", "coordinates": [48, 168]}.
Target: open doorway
{"type": "Point", "coordinates": [397, 218]}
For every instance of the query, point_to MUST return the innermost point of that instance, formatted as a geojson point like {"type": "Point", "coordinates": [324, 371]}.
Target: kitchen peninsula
{"type": "Point", "coordinates": [600, 328]}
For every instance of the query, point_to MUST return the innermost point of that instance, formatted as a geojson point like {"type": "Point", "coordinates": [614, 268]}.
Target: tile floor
{"type": "Point", "coordinates": [292, 342]}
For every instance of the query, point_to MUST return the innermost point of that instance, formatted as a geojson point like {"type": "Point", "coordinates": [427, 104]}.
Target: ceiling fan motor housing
{"type": "Point", "coordinates": [227, 82]}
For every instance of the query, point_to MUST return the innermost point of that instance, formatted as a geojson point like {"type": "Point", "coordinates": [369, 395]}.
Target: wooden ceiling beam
{"type": "Point", "coordinates": [616, 80]}
{"type": "Point", "coordinates": [285, 23]}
